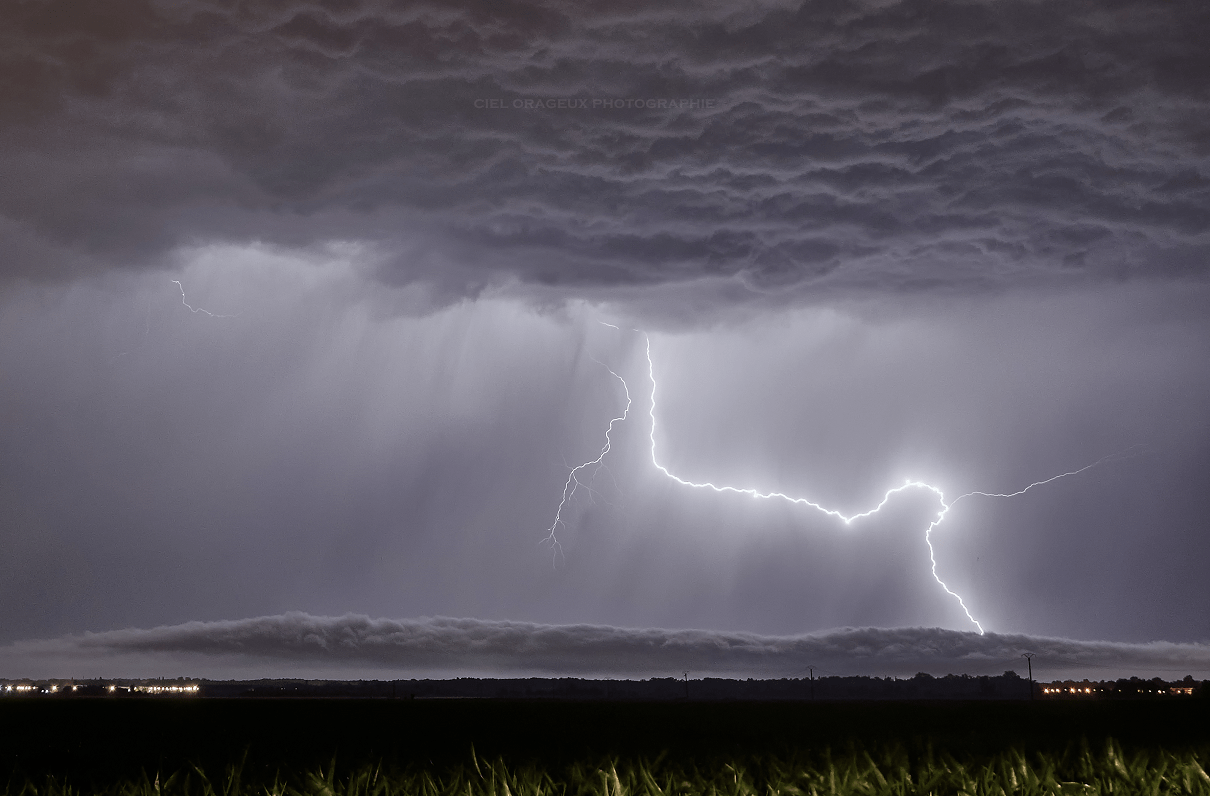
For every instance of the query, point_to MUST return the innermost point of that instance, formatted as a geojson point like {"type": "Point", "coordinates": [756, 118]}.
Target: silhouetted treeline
{"type": "Point", "coordinates": [1007, 686]}
{"type": "Point", "coordinates": [923, 686]}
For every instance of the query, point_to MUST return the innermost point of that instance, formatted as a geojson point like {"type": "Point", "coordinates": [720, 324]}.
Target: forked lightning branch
{"type": "Point", "coordinates": [574, 484]}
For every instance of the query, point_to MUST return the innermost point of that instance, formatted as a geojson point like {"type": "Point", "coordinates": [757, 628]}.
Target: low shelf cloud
{"type": "Point", "coordinates": [350, 645]}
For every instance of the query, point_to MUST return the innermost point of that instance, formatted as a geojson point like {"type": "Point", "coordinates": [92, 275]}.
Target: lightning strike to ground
{"type": "Point", "coordinates": [573, 482]}
{"type": "Point", "coordinates": [196, 309]}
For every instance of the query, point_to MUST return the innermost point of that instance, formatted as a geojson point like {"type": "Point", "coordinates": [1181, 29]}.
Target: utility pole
{"type": "Point", "coordinates": [686, 674]}
{"type": "Point", "coordinates": [1029, 661]}
{"type": "Point", "coordinates": [812, 671]}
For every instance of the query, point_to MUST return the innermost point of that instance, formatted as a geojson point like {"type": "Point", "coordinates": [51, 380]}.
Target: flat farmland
{"type": "Point", "coordinates": [272, 747]}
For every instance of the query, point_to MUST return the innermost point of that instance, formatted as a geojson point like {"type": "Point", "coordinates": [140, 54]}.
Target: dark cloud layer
{"type": "Point", "coordinates": [469, 645]}
{"type": "Point", "coordinates": [838, 143]}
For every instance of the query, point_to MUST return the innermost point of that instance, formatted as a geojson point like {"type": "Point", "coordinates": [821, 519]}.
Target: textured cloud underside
{"type": "Point", "coordinates": [847, 145]}
{"type": "Point", "coordinates": [501, 647]}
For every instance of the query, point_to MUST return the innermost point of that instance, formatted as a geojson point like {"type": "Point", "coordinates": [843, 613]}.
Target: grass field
{"type": "Point", "coordinates": [499, 748]}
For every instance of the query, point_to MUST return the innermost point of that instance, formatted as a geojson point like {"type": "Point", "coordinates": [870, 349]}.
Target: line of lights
{"type": "Point", "coordinates": [27, 688]}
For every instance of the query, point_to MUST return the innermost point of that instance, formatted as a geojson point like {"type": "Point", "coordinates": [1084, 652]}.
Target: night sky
{"type": "Point", "coordinates": [307, 310]}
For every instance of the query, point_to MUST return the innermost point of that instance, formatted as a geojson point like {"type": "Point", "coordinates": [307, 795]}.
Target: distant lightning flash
{"type": "Point", "coordinates": [569, 488]}
{"type": "Point", "coordinates": [573, 478]}
{"type": "Point", "coordinates": [196, 309]}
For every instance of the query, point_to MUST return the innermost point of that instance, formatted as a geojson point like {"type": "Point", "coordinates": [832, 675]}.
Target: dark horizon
{"type": "Point", "coordinates": [826, 687]}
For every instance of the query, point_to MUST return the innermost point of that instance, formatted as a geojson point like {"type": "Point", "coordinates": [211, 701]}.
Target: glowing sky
{"type": "Point", "coordinates": [303, 309]}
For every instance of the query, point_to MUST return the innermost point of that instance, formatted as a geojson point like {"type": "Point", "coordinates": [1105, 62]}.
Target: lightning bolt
{"type": "Point", "coordinates": [1113, 457]}
{"type": "Point", "coordinates": [573, 478]}
{"type": "Point", "coordinates": [195, 309]}
{"type": "Point", "coordinates": [847, 519]}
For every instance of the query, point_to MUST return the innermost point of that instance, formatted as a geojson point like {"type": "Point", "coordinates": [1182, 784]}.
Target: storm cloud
{"type": "Point", "coordinates": [866, 241]}
{"type": "Point", "coordinates": [837, 146]}
{"type": "Point", "coordinates": [359, 643]}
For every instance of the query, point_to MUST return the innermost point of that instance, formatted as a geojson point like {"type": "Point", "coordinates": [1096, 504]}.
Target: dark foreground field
{"type": "Point", "coordinates": [383, 746]}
